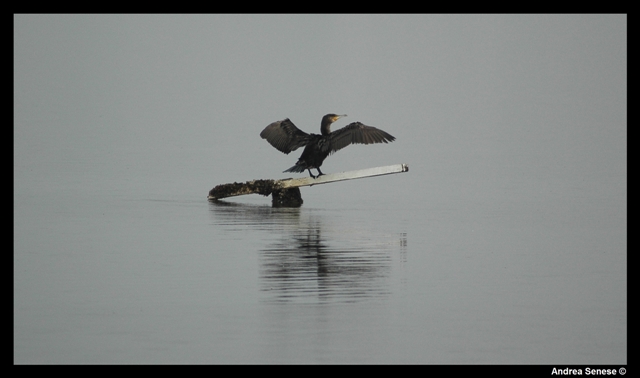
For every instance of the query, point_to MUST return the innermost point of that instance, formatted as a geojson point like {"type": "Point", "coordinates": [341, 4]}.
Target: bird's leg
{"type": "Point", "coordinates": [319, 172]}
{"type": "Point", "coordinates": [311, 174]}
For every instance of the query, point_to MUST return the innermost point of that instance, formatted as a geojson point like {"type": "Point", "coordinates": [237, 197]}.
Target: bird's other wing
{"type": "Point", "coordinates": [285, 136]}
{"type": "Point", "coordinates": [357, 133]}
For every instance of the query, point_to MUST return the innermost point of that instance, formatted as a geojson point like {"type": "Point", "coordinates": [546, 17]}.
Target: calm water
{"type": "Point", "coordinates": [354, 276]}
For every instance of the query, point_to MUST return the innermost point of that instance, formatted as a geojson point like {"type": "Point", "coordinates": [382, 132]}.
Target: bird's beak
{"type": "Point", "coordinates": [338, 117]}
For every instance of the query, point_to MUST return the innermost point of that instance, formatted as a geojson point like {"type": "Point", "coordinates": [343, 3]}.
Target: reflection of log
{"type": "Point", "coordinates": [283, 189]}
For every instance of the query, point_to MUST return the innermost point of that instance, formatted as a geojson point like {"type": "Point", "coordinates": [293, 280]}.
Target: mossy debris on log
{"type": "Point", "coordinates": [285, 193]}
{"type": "Point", "coordinates": [290, 197]}
{"type": "Point", "coordinates": [264, 187]}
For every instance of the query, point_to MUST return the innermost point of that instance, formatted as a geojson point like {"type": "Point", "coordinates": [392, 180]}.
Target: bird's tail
{"type": "Point", "coordinates": [298, 168]}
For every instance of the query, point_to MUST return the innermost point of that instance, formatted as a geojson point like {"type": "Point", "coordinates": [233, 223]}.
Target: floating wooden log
{"type": "Point", "coordinates": [286, 193]}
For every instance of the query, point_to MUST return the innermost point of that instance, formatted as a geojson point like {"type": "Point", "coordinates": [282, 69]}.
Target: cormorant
{"type": "Point", "coordinates": [286, 137]}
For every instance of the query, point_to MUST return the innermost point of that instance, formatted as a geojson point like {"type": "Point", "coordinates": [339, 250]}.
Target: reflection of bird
{"type": "Point", "coordinates": [286, 137]}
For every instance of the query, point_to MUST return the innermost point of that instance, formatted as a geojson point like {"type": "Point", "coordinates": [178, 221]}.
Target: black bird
{"type": "Point", "coordinates": [286, 137]}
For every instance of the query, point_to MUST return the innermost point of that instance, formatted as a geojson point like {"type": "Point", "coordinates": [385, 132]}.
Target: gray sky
{"type": "Point", "coordinates": [543, 94]}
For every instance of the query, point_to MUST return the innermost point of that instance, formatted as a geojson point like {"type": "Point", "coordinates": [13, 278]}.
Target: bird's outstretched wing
{"type": "Point", "coordinates": [285, 136]}
{"type": "Point", "coordinates": [357, 133]}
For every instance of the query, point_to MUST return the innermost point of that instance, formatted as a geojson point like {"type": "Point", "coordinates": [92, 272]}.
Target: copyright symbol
{"type": "Point", "coordinates": [622, 371]}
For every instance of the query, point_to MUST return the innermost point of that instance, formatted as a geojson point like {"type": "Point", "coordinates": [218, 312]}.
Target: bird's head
{"type": "Point", "coordinates": [327, 120]}
{"type": "Point", "coordinates": [331, 118]}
